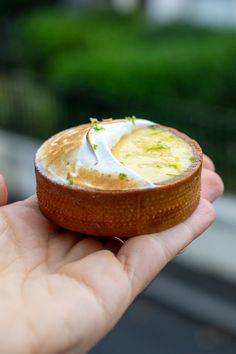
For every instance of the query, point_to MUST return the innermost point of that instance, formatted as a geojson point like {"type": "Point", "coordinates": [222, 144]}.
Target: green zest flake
{"type": "Point", "coordinates": [93, 120]}
{"type": "Point", "coordinates": [172, 174]}
{"type": "Point", "coordinates": [131, 119]}
{"type": "Point", "coordinates": [98, 128]}
{"type": "Point", "coordinates": [95, 125]}
{"type": "Point", "coordinates": [127, 155]}
{"type": "Point", "coordinates": [155, 130]}
{"type": "Point", "coordinates": [122, 175]}
{"type": "Point", "coordinates": [70, 181]}
{"type": "Point", "coordinates": [153, 127]}
{"type": "Point", "coordinates": [175, 166]}
{"type": "Point", "coordinates": [94, 146]}
{"type": "Point", "coordinates": [193, 158]}
{"type": "Point", "coordinates": [157, 146]}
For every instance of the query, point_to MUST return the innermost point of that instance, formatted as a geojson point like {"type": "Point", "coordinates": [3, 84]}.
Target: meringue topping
{"type": "Point", "coordinates": [115, 154]}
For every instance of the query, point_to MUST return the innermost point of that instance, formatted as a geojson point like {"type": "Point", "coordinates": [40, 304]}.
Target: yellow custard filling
{"type": "Point", "coordinates": [154, 153]}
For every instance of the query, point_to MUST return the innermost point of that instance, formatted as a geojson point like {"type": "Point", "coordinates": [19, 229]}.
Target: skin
{"type": "Point", "coordinates": [3, 191]}
{"type": "Point", "coordinates": [60, 291]}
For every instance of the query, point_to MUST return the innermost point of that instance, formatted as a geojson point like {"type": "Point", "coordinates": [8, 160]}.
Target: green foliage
{"type": "Point", "coordinates": [47, 33]}
{"type": "Point", "coordinates": [119, 58]}
{"type": "Point", "coordinates": [202, 71]}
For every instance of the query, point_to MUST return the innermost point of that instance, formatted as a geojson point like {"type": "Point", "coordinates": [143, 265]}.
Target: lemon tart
{"type": "Point", "coordinates": [121, 178]}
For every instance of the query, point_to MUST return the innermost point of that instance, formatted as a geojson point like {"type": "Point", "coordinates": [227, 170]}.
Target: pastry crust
{"type": "Point", "coordinates": [122, 213]}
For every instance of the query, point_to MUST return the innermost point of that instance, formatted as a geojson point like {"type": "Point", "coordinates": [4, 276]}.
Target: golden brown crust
{"type": "Point", "coordinates": [122, 213]}
{"type": "Point", "coordinates": [62, 142]}
{"type": "Point", "coordinates": [86, 178]}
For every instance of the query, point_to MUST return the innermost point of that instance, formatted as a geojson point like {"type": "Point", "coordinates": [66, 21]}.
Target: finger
{"type": "Point", "coordinates": [208, 163]}
{"type": "Point", "coordinates": [60, 244]}
{"type": "Point", "coordinates": [114, 244]}
{"type": "Point", "coordinates": [3, 191]}
{"type": "Point", "coordinates": [81, 249]}
{"type": "Point", "coordinates": [212, 185]}
{"type": "Point", "coordinates": [143, 257]}
{"type": "Point", "coordinates": [31, 202]}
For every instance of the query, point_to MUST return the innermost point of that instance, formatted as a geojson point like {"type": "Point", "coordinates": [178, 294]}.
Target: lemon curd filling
{"type": "Point", "coordinates": [154, 153]}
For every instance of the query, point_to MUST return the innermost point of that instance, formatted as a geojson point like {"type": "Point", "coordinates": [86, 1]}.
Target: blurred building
{"type": "Point", "coordinates": [122, 6]}
{"type": "Point", "coordinates": [214, 13]}
{"type": "Point", "coordinates": [125, 6]}
{"type": "Point", "coordinates": [87, 3]}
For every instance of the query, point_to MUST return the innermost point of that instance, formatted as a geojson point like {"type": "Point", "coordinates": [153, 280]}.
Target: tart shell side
{"type": "Point", "coordinates": [119, 213]}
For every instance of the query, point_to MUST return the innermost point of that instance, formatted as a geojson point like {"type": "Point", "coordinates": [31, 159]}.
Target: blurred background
{"type": "Point", "coordinates": [170, 61]}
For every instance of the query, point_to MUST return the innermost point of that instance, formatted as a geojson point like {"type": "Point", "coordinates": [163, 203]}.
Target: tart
{"type": "Point", "coordinates": [120, 178]}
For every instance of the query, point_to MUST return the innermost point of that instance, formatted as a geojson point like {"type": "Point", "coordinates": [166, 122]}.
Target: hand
{"type": "Point", "coordinates": [60, 291]}
{"type": "Point", "coordinates": [3, 191]}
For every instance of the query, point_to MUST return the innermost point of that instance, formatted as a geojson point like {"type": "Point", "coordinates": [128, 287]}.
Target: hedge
{"type": "Point", "coordinates": [119, 58]}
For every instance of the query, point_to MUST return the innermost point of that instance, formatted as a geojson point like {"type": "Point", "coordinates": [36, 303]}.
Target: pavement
{"type": "Point", "coordinates": [149, 327]}
{"type": "Point", "coordinates": [214, 251]}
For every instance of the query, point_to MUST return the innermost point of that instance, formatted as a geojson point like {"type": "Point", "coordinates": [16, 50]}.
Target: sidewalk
{"type": "Point", "coordinates": [214, 251]}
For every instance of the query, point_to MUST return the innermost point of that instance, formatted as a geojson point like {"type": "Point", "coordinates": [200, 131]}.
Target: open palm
{"type": "Point", "coordinates": [60, 290]}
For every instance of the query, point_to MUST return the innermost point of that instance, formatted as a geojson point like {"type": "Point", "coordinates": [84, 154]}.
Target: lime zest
{"type": "Point", "coordinates": [172, 174]}
{"type": "Point", "coordinates": [122, 175]}
{"type": "Point", "coordinates": [97, 128]}
{"type": "Point", "coordinates": [70, 180]}
{"type": "Point", "coordinates": [94, 146]}
{"type": "Point", "coordinates": [157, 146]}
{"type": "Point", "coordinates": [175, 166]}
{"type": "Point", "coordinates": [93, 121]}
{"type": "Point", "coordinates": [131, 119]}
